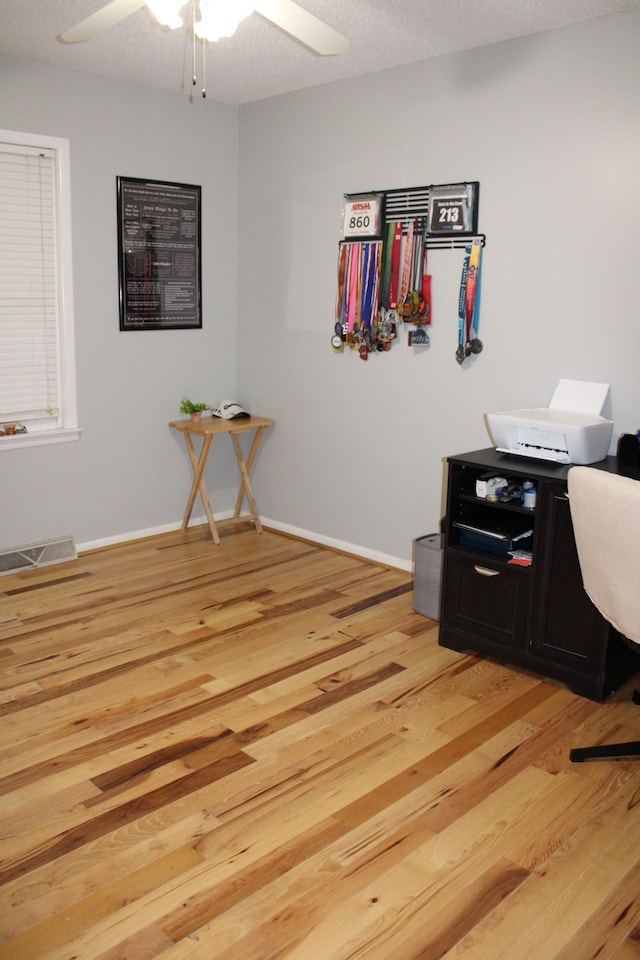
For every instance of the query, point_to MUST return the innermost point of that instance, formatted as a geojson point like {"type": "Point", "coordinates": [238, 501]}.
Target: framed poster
{"type": "Point", "coordinates": [159, 256]}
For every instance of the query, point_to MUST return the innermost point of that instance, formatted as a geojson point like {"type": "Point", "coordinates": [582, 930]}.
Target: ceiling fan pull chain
{"type": "Point", "coordinates": [193, 20]}
{"type": "Point", "coordinates": [204, 68]}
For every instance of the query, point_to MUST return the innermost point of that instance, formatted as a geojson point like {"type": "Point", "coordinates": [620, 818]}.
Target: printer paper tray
{"type": "Point", "coordinates": [537, 453]}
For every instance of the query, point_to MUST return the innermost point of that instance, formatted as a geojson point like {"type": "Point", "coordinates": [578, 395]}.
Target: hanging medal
{"type": "Point", "coordinates": [472, 343]}
{"type": "Point", "coordinates": [363, 320]}
{"type": "Point", "coordinates": [405, 299]}
{"type": "Point", "coordinates": [462, 308]}
{"type": "Point", "coordinates": [353, 287]}
{"type": "Point", "coordinates": [469, 303]}
{"type": "Point", "coordinates": [385, 269]}
{"type": "Point", "coordinates": [418, 315]}
{"type": "Point", "coordinates": [417, 267]}
{"type": "Point", "coordinates": [339, 332]}
{"type": "Point", "coordinates": [426, 282]}
{"type": "Point", "coordinates": [396, 267]}
{"type": "Point", "coordinates": [387, 296]}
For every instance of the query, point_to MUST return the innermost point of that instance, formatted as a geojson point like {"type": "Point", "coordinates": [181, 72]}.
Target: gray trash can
{"type": "Point", "coordinates": [427, 574]}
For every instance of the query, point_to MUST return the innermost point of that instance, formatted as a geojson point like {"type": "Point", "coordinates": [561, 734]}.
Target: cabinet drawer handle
{"type": "Point", "coordinates": [486, 572]}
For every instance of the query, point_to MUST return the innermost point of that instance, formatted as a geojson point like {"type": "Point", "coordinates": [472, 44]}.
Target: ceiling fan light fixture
{"type": "Point", "coordinates": [167, 12]}
{"type": "Point", "coordinates": [220, 19]}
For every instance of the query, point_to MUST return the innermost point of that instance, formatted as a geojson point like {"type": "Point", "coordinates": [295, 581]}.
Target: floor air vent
{"type": "Point", "coordinates": [37, 555]}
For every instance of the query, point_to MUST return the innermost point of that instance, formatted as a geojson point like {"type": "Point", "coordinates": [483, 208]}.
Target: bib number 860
{"type": "Point", "coordinates": [362, 217]}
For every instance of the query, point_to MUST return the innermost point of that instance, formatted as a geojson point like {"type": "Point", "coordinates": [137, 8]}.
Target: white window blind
{"type": "Point", "coordinates": [37, 384]}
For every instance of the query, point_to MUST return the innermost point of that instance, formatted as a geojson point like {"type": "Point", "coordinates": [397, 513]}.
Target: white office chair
{"type": "Point", "coordinates": [605, 510]}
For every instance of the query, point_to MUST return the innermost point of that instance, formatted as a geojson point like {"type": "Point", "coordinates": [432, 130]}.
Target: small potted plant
{"type": "Point", "coordinates": [193, 409]}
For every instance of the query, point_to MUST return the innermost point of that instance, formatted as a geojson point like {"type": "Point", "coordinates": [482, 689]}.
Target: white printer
{"type": "Point", "coordinates": [570, 430]}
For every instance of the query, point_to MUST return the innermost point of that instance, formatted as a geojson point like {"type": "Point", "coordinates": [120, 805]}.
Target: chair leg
{"type": "Point", "coordinates": [606, 751]}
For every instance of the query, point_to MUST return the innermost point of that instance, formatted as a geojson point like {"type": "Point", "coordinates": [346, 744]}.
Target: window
{"type": "Point", "coordinates": [37, 365]}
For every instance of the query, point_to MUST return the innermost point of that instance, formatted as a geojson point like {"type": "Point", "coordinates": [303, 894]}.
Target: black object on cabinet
{"type": "Point", "coordinates": [537, 617]}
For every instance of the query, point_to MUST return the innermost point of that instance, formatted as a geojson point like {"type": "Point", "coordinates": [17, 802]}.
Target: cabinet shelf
{"type": "Point", "coordinates": [496, 504]}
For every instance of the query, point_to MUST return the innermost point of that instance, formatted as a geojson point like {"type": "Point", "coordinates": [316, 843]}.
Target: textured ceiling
{"type": "Point", "coordinates": [260, 61]}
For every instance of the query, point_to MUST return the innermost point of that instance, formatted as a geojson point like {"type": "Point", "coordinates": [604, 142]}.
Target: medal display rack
{"type": "Point", "coordinates": [383, 276]}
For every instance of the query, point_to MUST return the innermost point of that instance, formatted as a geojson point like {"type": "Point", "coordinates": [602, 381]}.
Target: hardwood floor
{"type": "Point", "coordinates": [259, 751]}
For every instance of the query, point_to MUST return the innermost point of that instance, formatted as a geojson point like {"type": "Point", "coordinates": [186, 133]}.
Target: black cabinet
{"type": "Point", "coordinates": [530, 610]}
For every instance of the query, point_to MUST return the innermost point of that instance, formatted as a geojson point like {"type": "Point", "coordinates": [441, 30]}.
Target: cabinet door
{"type": "Point", "coordinates": [485, 600]}
{"type": "Point", "coordinates": [566, 628]}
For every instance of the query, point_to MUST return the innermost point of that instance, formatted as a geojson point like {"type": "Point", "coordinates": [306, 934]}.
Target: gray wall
{"type": "Point", "coordinates": [128, 472]}
{"type": "Point", "coordinates": [549, 125]}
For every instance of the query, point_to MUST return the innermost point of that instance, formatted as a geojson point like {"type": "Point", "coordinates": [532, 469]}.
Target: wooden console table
{"type": "Point", "coordinates": [207, 428]}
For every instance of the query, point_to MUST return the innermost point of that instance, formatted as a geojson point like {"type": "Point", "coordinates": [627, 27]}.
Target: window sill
{"type": "Point", "coordinates": [39, 438]}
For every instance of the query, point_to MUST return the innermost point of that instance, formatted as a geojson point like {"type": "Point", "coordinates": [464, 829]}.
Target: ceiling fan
{"type": "Point", "coordinates": [218, 19]}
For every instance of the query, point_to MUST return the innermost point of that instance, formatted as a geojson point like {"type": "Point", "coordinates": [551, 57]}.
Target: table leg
{"type": "Point", "coordinates": [198, 464]}
{"type": "Point", "coordinates": [245, 484]}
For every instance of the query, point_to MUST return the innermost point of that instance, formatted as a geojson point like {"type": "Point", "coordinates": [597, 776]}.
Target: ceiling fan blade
{"type": "Point", "coordinates": [101, 20]}
{"type": "Point", "coordinates": [303, 26]}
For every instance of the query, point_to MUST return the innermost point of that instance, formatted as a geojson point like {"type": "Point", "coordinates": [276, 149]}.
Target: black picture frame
{"type": "Point", "coordinates": [159, 254]}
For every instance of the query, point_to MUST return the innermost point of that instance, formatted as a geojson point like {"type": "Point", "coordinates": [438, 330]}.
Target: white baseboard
{"type": "Point", "coordinates": [374, 555]}
{"type": "Point", "coordinates": [141, 534]}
